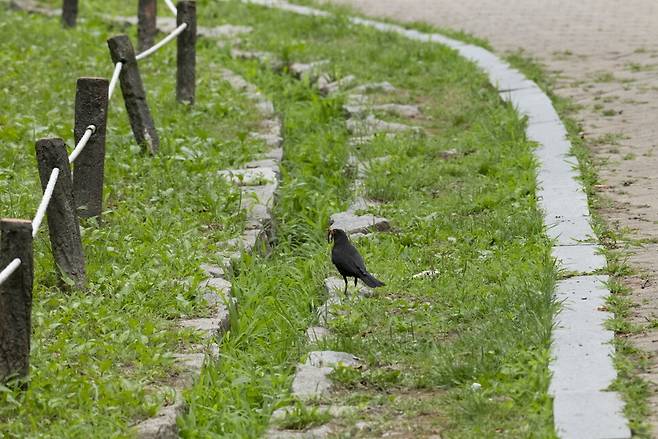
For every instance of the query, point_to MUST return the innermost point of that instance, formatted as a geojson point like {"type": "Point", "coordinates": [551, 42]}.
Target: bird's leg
{"type": "Point", "coordinates": [345, 279]}
{"type": "Point", "coordinates": [355, 279]}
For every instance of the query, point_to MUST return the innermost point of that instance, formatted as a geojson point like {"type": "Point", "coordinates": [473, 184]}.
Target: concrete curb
{"type": "Point", "coordinates": [581, 344]}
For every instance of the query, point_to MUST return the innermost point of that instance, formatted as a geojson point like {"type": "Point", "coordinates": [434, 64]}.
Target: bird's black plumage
{"type": "Point", "coordinates": [348, 261]}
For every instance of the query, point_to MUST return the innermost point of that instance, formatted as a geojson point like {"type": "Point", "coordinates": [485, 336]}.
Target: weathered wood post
{"type": "Point", "coordinates": [69, 12]}
{"type": "Point", "coordinates": [186, 54]}
{"type": "Point", "coordinates": [16, 299]}
{"type": "Point", "coordinates": [63, 225]}
{"type": "Point", "coordinates": [146, 23]}
{"type": "Point", "coordinates": [134, 95]}
{"type": "Point", "coordinates": [90, 110]}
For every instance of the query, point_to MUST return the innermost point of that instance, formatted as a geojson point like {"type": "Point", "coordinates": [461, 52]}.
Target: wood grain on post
{"type": "Point", "coordinates": [146, 24]}
{"type": "Point", "coordinates": [63, 225]}
{"type": "Point", "coordinates": [90, 109]}
{"type": "Point", "coordinates": [15, 299]}
{"type": "Point", "coordinates": [186, 54]}
{"type": "Point", "coordinates": [134, 95]}
{"type": "Point", "coordinates": [69, 12]}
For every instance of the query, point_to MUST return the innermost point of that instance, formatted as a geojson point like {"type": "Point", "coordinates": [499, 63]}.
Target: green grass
{"type": "Point", "coordinates": [99, 356]}
{"type": "Point", "coordinates": [485, 318]}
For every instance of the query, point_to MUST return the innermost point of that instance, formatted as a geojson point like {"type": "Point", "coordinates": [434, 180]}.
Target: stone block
{"type": "Point", "coordinates": [375, 87]}
{"type": "Point", "coordinates": [372, 125]}
{"type": "Point", "coordinates": [213, 270]}
{"type": "Point", "coordinates": [316, 334]}
{"type": "Point", "coordinates": [163, 424]}
{"type": "Point", "coordinates": [591, 415]}
{"type": "Point", "coordinates": [584, 258]}
{"type": "Point", "coordinates": [299, 70]}
{"type": "Point", "coordinates": [533, 103]}
{"type": "Point", "coordinates": [311, 382]}
{"type": "Point", "coordinates": [332, 359]}
{"type": "Point", "coordinates": [352, 223]}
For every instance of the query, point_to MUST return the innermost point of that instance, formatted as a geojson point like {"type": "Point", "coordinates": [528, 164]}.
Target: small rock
{"type": "Point", "coordinates": [316, 334]}
{"type": "Point", "coordinates": [237, 82]}
{"type": "Point", "coordinates": [476, 386]}
{"type": "Point", "coordinates": [334, 286]}
{"type": "Point", "coordinates": [271, 140]}
{"type": "Point", "coordinates": [332, 359]}
{"type": "Point", "coordinates": [299, 70]}
{"type": "Point", "coordinates": [311, 382]}
{"type": "Point", "coordinates": [252, 55]}
{"type": "Point", "coordinates": [211, 327]}
{"type": "Point", "coordinates": [213, 270]}
{"type": "Point", "coordinates": [190, 361]}
{"type": "Point", "coordinates": [336, 86]}
{"type": "Point", "coordinates": [426, 274]}
{"type": "Point", "coordinates": [216, 284]}
{"type": "Point", "coordinates": [163, 425]}
{"type": "Point", "coordinates": [249, 176]}
{"type": "Point", "coordinates": [351, 223]}
{"type": "Point", "coordinates": [358, 141]}
{"type": "Point", "coordinates": [264, 163]}
{"type": "Point", "coordinates": [372, 125]}
{"type": "Point", "coordinates": [410, 111]}
{"type": "Point", "coordinates": [321, 432]}
{"type": "Point", "coordinates": [272, 126]}
{"type": "Point", "coordinates": [450, 153]}
{"type": "Point", "coordinates": [265, 108]}
{"type": "Point", "coordinates": [357, 100]}
{"type": "Point", "coordinates": [274, 154]}
{"type": "Point", "coordinates": [375, 87]}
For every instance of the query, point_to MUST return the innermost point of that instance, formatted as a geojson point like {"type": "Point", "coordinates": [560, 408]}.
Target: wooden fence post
{"type": "Point", "coordinates": [134, 95]}
{"type": "Point", "coordinates": [69, 12]}
{"type": "Point", "coordinates": [16, 299]}
{"type": "Point", "coordinates": [63, 225]}
{"type": "Point", "coordinates": [186, 53]}
{"type": "Point", "coordinates": [90, 109]}
{"type": "Point", "coordinates": [147, 13]}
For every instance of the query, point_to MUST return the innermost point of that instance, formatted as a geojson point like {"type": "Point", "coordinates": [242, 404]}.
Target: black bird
{"type": "Point", "coordinates": [348, 261]}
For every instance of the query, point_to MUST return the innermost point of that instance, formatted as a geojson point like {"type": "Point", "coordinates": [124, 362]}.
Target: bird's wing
{"type": "Point", "coordinates": [352, 260]}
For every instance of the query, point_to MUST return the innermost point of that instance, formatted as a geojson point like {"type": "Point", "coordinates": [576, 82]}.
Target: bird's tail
{"type": "Point", "coordinates": [371, 281]}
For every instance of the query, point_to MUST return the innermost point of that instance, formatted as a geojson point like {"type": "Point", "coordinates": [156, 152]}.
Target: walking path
{"type": "Point", "coordinates": [604, 56]}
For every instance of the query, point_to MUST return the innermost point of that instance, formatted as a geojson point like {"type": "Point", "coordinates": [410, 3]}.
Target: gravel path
{"type": "Point", "coordinates": [604, 56]}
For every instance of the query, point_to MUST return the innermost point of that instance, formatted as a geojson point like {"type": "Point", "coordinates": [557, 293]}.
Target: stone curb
{"type": "Point", "coordinates": [594, 413]}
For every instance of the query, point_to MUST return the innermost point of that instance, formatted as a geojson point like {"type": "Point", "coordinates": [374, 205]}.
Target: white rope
{"type": "Point", "coordinates": [9, 270]}
{"type": "Point", "coordinates": [45, 201]}
{"type": "Point", "coordinates": [171, 6]}
{"type": "Point", "coordinates": [162, 42]}
{"type": "Point", "coordinates": [114, 80]}
{"type": "Point", "coordinates": [91, 129]}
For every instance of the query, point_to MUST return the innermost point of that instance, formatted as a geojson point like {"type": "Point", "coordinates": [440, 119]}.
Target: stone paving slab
{"type": "Point", "coordinates": [590, 415]}
{"type": "Point", "coordinates": [532, 103]}
{"type": "Point", "coordinates": [311, 382]}
{"type": "Point", "coordinates": [583, 259]}
{"type": "Point", "coordinates": [582, 367]}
